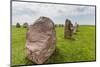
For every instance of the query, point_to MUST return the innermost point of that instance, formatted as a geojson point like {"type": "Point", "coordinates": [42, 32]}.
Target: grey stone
{"type": "Point", "coordinates": [25, 25]}
{"type": "Point", "coordinates": [18, 25]}
{"type": "Point", "coordinates": [40, 40]}
{"type": "Point", "coordinates": [68, 29]}
{"type": "Point", "coordinates": [75, 28]}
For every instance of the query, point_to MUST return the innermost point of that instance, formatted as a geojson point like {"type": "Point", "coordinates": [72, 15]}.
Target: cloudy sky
{"type": "Point", "coordinates": [29, 12]}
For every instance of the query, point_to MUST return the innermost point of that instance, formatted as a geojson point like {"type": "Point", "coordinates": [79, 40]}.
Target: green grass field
{"type": "Point", "coordinates": [67, 50]}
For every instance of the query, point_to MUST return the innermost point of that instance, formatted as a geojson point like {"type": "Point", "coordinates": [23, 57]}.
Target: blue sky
{"type": "Point", "coordinates": [29, 12]}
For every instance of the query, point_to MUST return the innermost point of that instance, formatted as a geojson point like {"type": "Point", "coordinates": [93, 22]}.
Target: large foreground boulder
{"type": "Point", "coordinates": [41, 40]}
{"type": "Point", "coordinates": [68, 29]}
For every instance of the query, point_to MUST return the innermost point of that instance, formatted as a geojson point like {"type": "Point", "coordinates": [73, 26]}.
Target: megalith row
{"type": "Point", "coordinates": [70, 29]}
{"type": "Point", "coordinates": [41, 38]}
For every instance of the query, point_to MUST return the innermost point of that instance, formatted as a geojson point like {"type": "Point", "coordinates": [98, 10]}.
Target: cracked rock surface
{"type": "Point", "coordinates": [40, 40]}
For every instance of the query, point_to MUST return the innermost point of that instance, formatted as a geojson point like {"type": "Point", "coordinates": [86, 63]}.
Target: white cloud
{"type": "Point", "coordinates": [29, 12]}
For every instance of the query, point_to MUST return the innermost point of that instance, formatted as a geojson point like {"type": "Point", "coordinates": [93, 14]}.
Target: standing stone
{"type": "Point", "coordinates": [41, 40]}
{"type": "Point", "coordinates": [25, 25]}
{"type": "Point", "coordinates": [18, 25]}
{"type": "Point", "coordinates": [68, 30]}
{"type": "Point", "coordinates": [75, 28]}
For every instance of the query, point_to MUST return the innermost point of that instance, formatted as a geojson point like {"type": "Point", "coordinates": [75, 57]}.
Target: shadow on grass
{"type": "Point", "coordinates": [55, 58]}
{"type": "Point", "coordinates": [29, 62]}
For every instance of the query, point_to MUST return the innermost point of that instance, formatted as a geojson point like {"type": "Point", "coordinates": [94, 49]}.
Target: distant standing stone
{"type": "Point", "coordinates": [25, 25]}
{"type": "Point", "coordinates": [18, 25]}
{"type": "Point", "coordinates": [41, 40]}
{"type": "Point", "coordinates": [75, 29]}
{"type": "Point", "coordinates": [68, 29]}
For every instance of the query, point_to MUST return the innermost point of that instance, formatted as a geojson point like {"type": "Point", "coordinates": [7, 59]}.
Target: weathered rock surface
{"type": "Point", "coordinates": [75, 27]}
{"type": "Point", "coordinates": [41, 40]}
{"type": "Point", "coordinates": [68, 29]}
{"type": "Point", "coordinates": [25, 25]}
